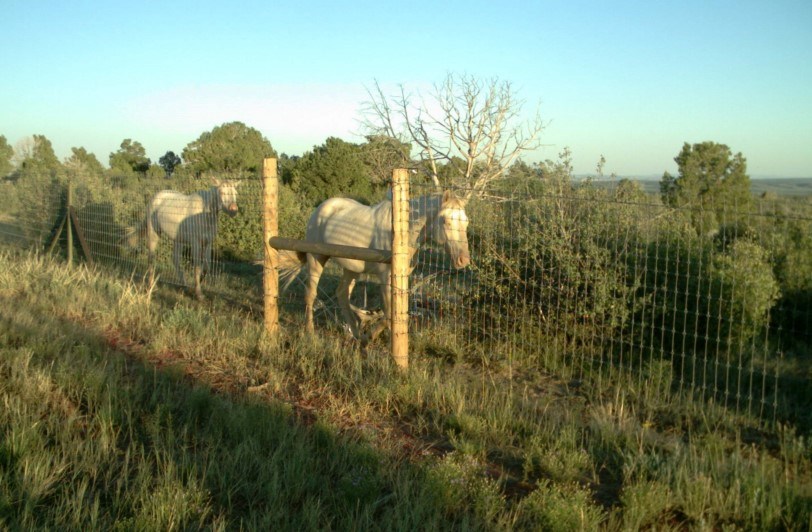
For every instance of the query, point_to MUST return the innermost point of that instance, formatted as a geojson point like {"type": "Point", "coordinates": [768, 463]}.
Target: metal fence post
{"type": "Point", "coordinates": [69, 201]}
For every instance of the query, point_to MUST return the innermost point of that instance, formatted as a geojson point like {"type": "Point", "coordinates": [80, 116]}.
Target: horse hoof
{"type": "Point", "coordinates": [364, 340]}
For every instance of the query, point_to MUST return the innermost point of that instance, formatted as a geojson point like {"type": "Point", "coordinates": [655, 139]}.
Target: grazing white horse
{"type": "Point", "coordinates": [188, 220]}
{"type": "Point", "coordinates": [343, 221]}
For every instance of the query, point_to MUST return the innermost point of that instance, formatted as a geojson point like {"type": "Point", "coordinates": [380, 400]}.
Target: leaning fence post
{"type": "Point", "coordinates": [400, 267]}
{"type": "Point", "coordinates": [270, 224]}
{"type": "Point", "coordinates": [80, 234]}
{"type": "Point", "coordinates": [69, 201]}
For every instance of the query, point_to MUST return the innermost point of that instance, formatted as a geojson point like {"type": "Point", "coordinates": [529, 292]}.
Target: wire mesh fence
{"type": "Point", "coordinates": [588, 281]}
{"type": "Point", "coordinates": [114, 227]}
{"type": "Point", "coordinates": [591, 281]}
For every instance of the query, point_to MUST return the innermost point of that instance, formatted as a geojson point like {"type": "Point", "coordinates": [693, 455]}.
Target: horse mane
{"type": "Point", "coordinates": [455, 203]}
{"type": "Point", "coordinates": [211, 200]}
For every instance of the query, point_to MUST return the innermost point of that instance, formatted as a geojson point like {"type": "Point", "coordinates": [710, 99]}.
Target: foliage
{"type": "Point", "coordinates": [6, 154]}
{"type": "Point", "coordinates": [130, 158]}
{"type": "Point", "coordinates": [227, 149]}
{"type": "Point", "coordinates": [336, 168]}
{"type": "Point", "coordinates": [86, 175]}
{"type": "Point", "coordinates": [83, 163]}
{"type": "Point", "coordinates": [708, 303]}
{"type": "Point", "coordinates": [240, 237]}
{"type": "Point", "coordinates": [787, 227]}
{"type": "Point", "coordinates": [545, 254]}
{"type": "Point", "coordinates": [560, 508]}
{"type": "Point", "coordinates": [286, 164]}
{"type": "Point", "coordinates": [711, 182]}
{"type": "Point", "coordinates": [38, 190]}
{"type": "Point", "coordinates": [168, 162]}
{"type": "Point", "coordinates": [521, 172]}
{"type": "Point", "coordinates": [748, 290]}
{"type": "Point", "coordinates": [41, 160]}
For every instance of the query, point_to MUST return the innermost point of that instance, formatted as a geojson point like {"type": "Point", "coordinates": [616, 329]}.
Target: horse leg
{"type": "Point", "coordinates": [197, 259]}
{"type": "Point", "coordinates": [386, 293]}
{"type": "Point", "coordinates": [198, 290]}
{"type": "Point", "coordinates": [152, 248]}
{"type": "Point", "coordinates": [364, 315]}
{"type": "Point", "coordinates": [177, 253]}
{"type": "Point", "coordinates": [344, 292]}
{"type": "Point", "coordinates": [315, 265]}
{"type": "Point", "coordinates": [206, 260]}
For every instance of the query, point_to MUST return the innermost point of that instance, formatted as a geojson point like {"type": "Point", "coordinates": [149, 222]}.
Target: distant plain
{"type": "Point", "coordinates": [782, 186]}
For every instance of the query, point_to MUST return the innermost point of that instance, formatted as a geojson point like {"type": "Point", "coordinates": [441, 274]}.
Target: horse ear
{"type": "Point", "coordinates": [446, 195]}
{"type": "Point", "coordinates": [215, 181]}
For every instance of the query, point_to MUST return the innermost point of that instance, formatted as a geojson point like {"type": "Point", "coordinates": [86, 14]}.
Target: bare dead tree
{"type": "Point", "coordinates": [469, 127]}
{"type": "Point", "coordinates": [382, 154]}
{"type": "Point", "coordinates": [23, 149]}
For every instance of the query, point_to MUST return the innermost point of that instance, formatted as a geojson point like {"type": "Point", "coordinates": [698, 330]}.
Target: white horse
{"type": "Point", "coordinates": [188, 220]}
{"type": "Point", "coordinates": [346, 222]}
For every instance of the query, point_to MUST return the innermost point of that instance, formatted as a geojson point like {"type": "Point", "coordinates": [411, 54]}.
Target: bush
{"type": "Point", "coordinates": [748, 291]}
{"type": "Point", "coordinates": [41, 207]}
{"type": "Point", "coordinates": [702, 300]}
{"type": "Point", "coordinates": [551, 257]}
{"type": "Point", "coordinates": [240, 237]}
{"type": "Point", "coordinates": [553, 507]}
{"type": "Point", "coordinates": [788, 229]}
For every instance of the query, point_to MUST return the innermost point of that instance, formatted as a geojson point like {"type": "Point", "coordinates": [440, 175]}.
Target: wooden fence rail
{"type": "Point", "coordinates": [333, 250]}
{"type": "Point", "coordinates": [398, 257]}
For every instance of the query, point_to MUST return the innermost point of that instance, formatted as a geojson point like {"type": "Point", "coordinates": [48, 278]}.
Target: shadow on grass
{"type": "Point", "coordinates": [203, 458]}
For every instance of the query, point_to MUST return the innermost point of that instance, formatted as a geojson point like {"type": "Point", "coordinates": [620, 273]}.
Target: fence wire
{"type": "Point", "coordinates": [592, 281]}
{"type": "Point", "coordinates": [108, 228]}
{"type": "Point", "coordinates": [586, 281]}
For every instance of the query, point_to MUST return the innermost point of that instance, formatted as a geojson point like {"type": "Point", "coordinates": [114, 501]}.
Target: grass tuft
{"type": "Point", "coordinates": [132, 407]}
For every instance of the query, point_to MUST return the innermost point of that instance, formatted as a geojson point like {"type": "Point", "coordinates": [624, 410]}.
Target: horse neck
{"type": "Point", "coordinates": [424, 211]}
{"type": "Point", "coordinates": [210, 200]}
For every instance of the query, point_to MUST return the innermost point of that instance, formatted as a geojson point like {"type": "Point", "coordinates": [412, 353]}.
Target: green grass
{"type": "Point", "coordinates": [125, 408]}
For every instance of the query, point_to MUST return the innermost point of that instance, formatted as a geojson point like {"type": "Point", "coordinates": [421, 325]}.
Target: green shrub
{"type": "Point", "coordinates": [41, 206]}
{"type": "Point", "coordinates": [240, 237]}
{"type": "Point", "coordinates": [549, 257]}
{"type": "Point", "coordinates": [703, 300]}
{"type": "Point", "coordinates": [559, 507]}
{"type": "Point", "coordinates": [458, 482]}
{"type": "Point", "coordinates": [748, 291]}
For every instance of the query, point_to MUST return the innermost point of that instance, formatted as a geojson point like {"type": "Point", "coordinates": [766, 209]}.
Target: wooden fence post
{"type": "Point", "coordinates": [400, 267]}
{"type": "Point", "coordinates": [270, 224]}
{"type": "Point", "coordinates": [80, 234]}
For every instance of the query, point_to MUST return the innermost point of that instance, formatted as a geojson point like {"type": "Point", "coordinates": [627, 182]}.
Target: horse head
{"type": "Point", "coordinates": [450, 229]}
{"type": "Point", "coordinates": [227, 196]}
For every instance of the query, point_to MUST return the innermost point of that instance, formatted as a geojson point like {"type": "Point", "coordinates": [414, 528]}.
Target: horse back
{"type": "Point", "coordinates": [170, 211]}
{"type": "Point", "coordinates": [346, 222]}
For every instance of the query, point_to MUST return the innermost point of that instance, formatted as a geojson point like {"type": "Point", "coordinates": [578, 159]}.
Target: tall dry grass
{"type": "Point", "coordinates": [132, 408]}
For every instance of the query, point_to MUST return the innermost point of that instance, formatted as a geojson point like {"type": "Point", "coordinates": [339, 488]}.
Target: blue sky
{"type": "Point", "coordinates": [628, 80]}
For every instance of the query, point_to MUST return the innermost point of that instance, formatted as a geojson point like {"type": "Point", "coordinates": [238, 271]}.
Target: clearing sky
{"type": "Point", "coordinates": [631, 81]}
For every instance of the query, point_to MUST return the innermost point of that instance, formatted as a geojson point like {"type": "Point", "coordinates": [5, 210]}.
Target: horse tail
{"type": "Point", "coordinates": [133, 235]}
{"type": "Point", "coordinates": [290, 264]}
